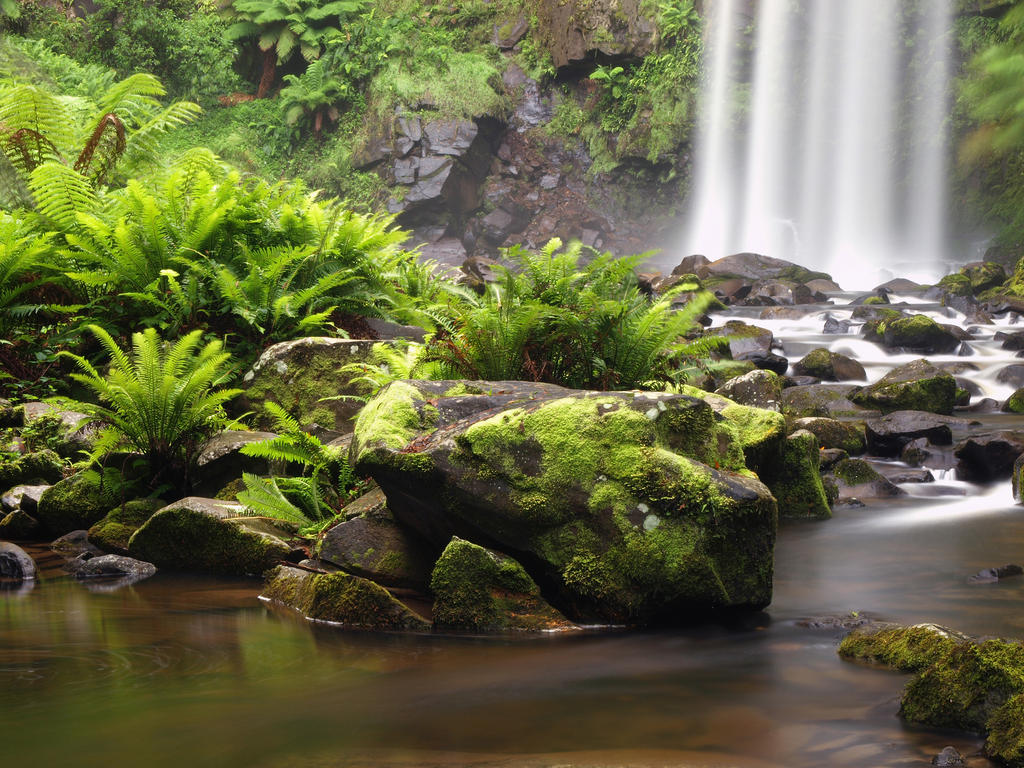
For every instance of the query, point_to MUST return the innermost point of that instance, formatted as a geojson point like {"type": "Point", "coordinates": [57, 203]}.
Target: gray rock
{"type": "Point", "coordinates": [991, 575]}
{"type": "Point", "coordinates": [760, 389]}
{"type": "Point", "coordinates": [948, 758]}
{"type": "Point", "coordinates": [1012, 375]}
{"type": "Point", "coordinates": [507, 34]}
{"type": "Point", "coordinates": [888, 435]}
{"type": "Point", "coordinates": [222, 460]}
{"type": "Point", "coordinates": [75, 543]}
{"type": "Point", "coordinates": [114, 566]}
{"type": "Point", "coordinates": [448, 137]}
{"type": "Point", "coordinates": [15, 562]}
{"type": "Point", "coordinates": [989, 456]}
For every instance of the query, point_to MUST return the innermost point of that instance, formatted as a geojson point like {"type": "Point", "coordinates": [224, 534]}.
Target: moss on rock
{"type": "Point", "coordinates": [916, 386]}
{"type": "Point", "coordinates": [478, 589]}
{"type": "Point", "coordinates": [832, 433]}
{"type": "Point", "coordinates": [79, 501]}
{"type": "Point", "coordinates": [908, 649]}
{"type": "Point", "coordinates": [206, 535]}
{"type": "Point", "coordinates": [798, 487]}
{"type": "Point", "coordinates": [31, 468]}
{"type": "Point", "coordinates": [341, 598]}
{"type": "Point", "coordinates": [112, 533]}
{"type": "Point", "coordinates": [19, 526]}
{"type": "Point", "coordinates": [1005, 740]}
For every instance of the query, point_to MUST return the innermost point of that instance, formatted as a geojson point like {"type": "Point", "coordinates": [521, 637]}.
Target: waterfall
{"type": "Point", "coordinates": [823, 136]}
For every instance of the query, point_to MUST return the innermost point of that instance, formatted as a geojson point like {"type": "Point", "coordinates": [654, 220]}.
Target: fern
{"type": "Point", "coordinates": [262, 497]}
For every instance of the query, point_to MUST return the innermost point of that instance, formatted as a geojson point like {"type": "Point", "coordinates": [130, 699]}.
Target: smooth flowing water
{"type": "Point", "coordinates": [180, 670]}
{"type": "Point", "coordinates": [823, 136]}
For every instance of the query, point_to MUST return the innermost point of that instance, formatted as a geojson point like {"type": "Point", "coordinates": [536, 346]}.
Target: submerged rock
{"type": "Point", "coordinates": [478, 589]}
{"type": "Point", "coordinates": [625, 506]}
{"type": "Point", "coordinates": [340, 598]}
{"type": "Point", "coordinates": [210, 536]}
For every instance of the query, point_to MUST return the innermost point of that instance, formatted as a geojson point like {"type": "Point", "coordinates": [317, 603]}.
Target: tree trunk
{"type": "Point", "coordinates": [269, 71]}
{"type": "Point", "coordinates": [318, 123]}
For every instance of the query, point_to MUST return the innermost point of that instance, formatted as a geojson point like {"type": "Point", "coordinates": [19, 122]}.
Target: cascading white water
{"type": "Point", "coordinates": [837, 159]}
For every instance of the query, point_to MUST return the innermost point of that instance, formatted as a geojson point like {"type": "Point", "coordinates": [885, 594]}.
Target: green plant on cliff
{"type": "Point", "coordinates": [161, 399]}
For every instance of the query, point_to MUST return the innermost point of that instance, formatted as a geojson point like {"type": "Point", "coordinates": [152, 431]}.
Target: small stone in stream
{"type": "Point", "coordinates": [847, 621]}
{"type": "Point", "coordinates": [836, 327]}
{"type": "Point", "coordinates": [916, 452]}
{"type": "Point", "coordinates": [114, 566]}
{"type": "Point", "coordinates": [15, 562]}
{"type": "Point", "coordinates": [912, 476]}
{"type": "Point", "coordinates": [948, 758]}
{"type": "Point", "coordinates": [990, 575]}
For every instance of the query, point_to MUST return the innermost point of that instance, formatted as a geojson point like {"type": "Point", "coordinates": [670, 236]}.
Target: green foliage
{"type": "Point", "coordinates": [23, 256]}
{"type": "Point", "coordinates": [677, 19]}
{"type": "Point", "coordinates": [313, 95]}
{"type": "Point", "coordinates": [614, 79]}
{"type": "Point", "coordinates": [298, 500]}
{"type": "Point", "coordinates": [996, 90]}
{"type": "Point", "coordinates": [161, 400]}
{"type": "Point", "coordinates": [585, 327]}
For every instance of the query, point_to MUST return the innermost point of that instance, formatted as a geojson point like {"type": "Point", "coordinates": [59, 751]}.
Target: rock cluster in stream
{"type": "Point", "coordinates": [500, 506]}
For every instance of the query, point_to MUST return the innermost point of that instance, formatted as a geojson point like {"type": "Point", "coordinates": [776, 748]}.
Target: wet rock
{"type": "Point", "coordinates": [575, 30]}
{"type": "Point", "coordinates": [342, 599]}
{"type": "Point", "coordinates": [371, 544]}
{"type": "Point", "coordinates": [911, 476]}
{"type": "Point", "coordinates": [799, 489]}
{"type": "Point", "coordinates": [847, 621]}
{"type": "Point", "coordinates": [543, 473]}
{"type": "Point", "coordinates": [208, 536]}
{"type": "Point", "coordinates": [989, 456]}
{"type": "Point", "coordinates": [985, 405]}
{"type": "Point", "coordinates": [478, 589]}
{"type": "Point", "coordinates": [832, 433]}
{"type": "Point", "coordinates": [297, 375]}
{"type": "Point", "coordinates": [829, 457]}
{"type": "Point", "coordinates": [855, 478]}
{"type": "Point", "coordinates": [759, 389]}
{"type": "Point", "coordinates": [75, 543]}
{"type": "Point", "coordinates": [1012, 375]}
{"type": "Point", "coordinates": [888, 435]}
{"type": "Point", "coordinates": [755, 266]}
{"type": "Point", "coordinates": [15, 562]}
{"type": "Point", "coordinates": [829, 366]}
{"type": "Point", "coordinates": [19, 526]}
{"type": "Point", "coordinates": [828, 400]}
{"type": "Point", "coordinates": [916, 386]}
{"type": "Point", "coordinates": [114, 566]}
{"type": "Point", "coordinates": [115, 529]}
{"type": "Point", "coordinates": [1017, 479]}
{"type": "Point", "coordinates": [79, 501]}
{"type": "Point", "coordinates": [777, 364]}
{"type": "Point", "coordinates": [918, 333]}
{"type": "Point", "coordinates": [784, 313]}
{"type": "Point", "coordinates": [835, 327]}
{"type": "Point", "coordinates": [990, 575]}
{"type": "Point", "coordinates": [745, 341]}
{"type": "Point", "coordinates": [1013, 342]}
{"type": "Point", "coordinates": [948, 758]}
{"type": "Point", "coordinates": [900, 285]}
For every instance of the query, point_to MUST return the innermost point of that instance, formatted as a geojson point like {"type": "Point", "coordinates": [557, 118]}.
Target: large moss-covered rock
{"type": "Point", "coordinates": [856, 479]}
{"type": "Point", "coordinates": [19, 526]}
{"type": "Point", "coordinates": [478, 589]}
{"type": "Point", "coordinates": [960, 684]}
{"type": "Point", "coordinates": [370, 543]}
{"type": "Point", "coordinates": [832, 433]}
{"type": "Point", "coordinates": [916, 386]}
{"type": "Point", "coordinates": [341, 598]}
{"type": "Point", "coordinates": [833, 401]}
{"type": "Point", "coordinates": [799, 490]}
{"type": "Point", "coordinates": [31, 468]}
{"type": "Point", "coordinates": [79, 501]}
{"type": "Point", "coordinates": [624, 506]}
{"type": "Point", "coordinates": [210, 536]}
{"type": "Point", "coordinates": [917, 333]}
{"type": "Point", "coordinates": [298, 375]}
{"type": "Point", "coordinates": [824, 364]}
{"type": "Point", "coordinates": [760, 389]}
{"type": "Point", "coordinates": [112, 533]}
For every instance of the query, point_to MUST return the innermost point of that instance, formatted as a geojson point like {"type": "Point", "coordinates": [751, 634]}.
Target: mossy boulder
{"type": "Point", "coordinates": [916, 386]}
{"type": "Point", "coordinates": [576, 30]}
{"type": "Point", "coordinates": [341, 598]}
{"type": "Point", "coordinates": [856, 479]}
{"type": "Point", "coordinates": [478, 589]}
{"type": "Point", "coordinates": [1015, 402]}
{"type": "Point", "coordinates": [298, 375]}
{"type": "Point", "coordinates": [62, 423]}
{"type": "Point", "coordinates": [826, 365]}
{"type": "Point", "coordinates": [977, 277]}
{"type": "Point", "coordinates": [759, 389]}
{"type": "Point", "coordinates": [832, 433]}
{"type": "Point", "coordinates": [79, 501]}
{"type": "Point", "coordinates": [627, 507]}
{"type": "Point", "coordinates": [960, 684]}
{"type": "Point", "coordinates": [799, 490]}
{"type": "Point", "coordinates": [370, 543]}
{"type": "Point", "coordinates": [31, 469]}
{"type": "Point", "coordinates": [832, 401]}
{"type": "Point", "coordinates": [209, 536]}
{"type": "Point", "coordinates": [19, 526]}
{"type": "Point", "coordinates": [917, 333]}
{"type": "Point", "coordinates": [111, 534]}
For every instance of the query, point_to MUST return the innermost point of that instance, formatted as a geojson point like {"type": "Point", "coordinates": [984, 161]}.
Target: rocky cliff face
{"type": "Point", "coordinates": [470, 186]}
